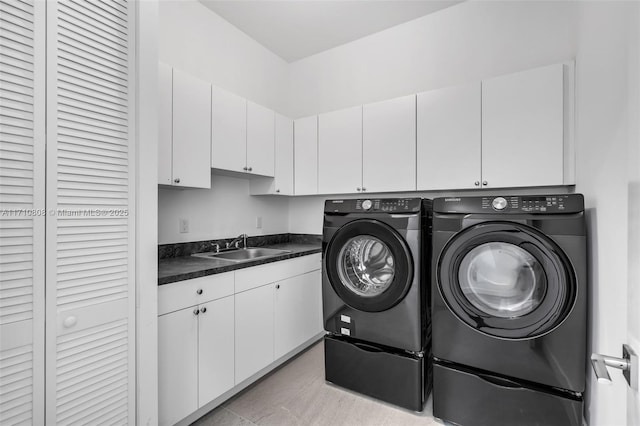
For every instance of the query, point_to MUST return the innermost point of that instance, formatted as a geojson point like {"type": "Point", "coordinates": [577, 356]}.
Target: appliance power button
{"type": "Point", "coordinates": [366, 204]}
{"type": "Point", "coordinates": [499, 203]}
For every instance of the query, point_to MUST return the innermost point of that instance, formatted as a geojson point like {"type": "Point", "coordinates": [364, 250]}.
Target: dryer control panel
{"type": "Point", "coordinates": [505, 204]}
{"type": "Point", "coordinates": [377, 205]}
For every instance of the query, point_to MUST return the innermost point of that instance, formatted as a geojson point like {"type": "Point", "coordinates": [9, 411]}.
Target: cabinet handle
{"type": "Point", "coordinates": [196, 311]}
{"type": "Point", "coordinates": [70, 321]}
{"type": "Point", "coordinates": [250, 168]}
{"type": "Point", "coordinates": [485, 183]}
{"type": "Point", "coordinates": [203, 310]}
{"type": "Point", "coordinates": [177, 180]}
{"type": "Point", "coordinates": [358, 189]}
{"type": "Point", "coordinates": [477, 183]}
{"type": "Point", "coordinates": [199, 291]}
{"type": "Point", "coordinates": [277, 286]}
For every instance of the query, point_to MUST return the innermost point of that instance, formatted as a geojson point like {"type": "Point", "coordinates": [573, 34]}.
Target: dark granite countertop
{"type": "Point", "coordinates": [182, 268]}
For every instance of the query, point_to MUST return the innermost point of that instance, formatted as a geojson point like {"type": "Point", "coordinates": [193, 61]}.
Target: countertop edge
{"type": "Point", "coordinates": [235, 266]}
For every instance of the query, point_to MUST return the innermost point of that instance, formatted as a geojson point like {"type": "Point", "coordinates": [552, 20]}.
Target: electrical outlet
{"type": "Point", "coordinates": [184, 226]}
{"type": "Point", "coordinates": [258, 222]}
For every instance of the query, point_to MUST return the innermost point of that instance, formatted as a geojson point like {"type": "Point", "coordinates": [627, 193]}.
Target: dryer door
{"type": "Point", "coordinates": [369, 265]}
{"type": "Point", "coordinates": [506, 280]}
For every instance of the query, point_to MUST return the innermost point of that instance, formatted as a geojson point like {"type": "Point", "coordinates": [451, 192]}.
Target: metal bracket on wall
{"type": "Point", "coordinates": [628, 364]}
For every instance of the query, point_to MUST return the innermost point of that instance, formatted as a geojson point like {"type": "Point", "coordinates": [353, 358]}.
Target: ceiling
{"type": "Point", "coordinates": [295, 29]}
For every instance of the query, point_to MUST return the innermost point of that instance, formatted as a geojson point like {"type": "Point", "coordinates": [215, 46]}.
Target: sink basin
{"type": "Point", "coordinates": [241, 255]}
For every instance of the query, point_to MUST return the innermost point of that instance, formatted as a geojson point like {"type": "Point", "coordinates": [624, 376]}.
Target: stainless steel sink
{"type": "Point", "coordinates": [241, 255]}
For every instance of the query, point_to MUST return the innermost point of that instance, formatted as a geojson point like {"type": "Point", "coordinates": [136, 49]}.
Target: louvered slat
{"type": "Point", "coordinates": [92, 364]}
{"type": "Point", "coordinates": [16, 385]}
{"type": "Point", "coordinates": [90, 255]}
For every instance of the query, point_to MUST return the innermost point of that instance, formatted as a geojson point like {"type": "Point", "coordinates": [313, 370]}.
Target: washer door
{"type": "Point", "coordinates": [369, 265]}
{"type": "Point", "coordinates": [506, 280]}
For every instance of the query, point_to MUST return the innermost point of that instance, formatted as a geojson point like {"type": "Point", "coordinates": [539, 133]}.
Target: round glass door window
{"type": "Point", "coordinates": [366, 266]}
{"type": "Point", "coordinates": [502, 280]}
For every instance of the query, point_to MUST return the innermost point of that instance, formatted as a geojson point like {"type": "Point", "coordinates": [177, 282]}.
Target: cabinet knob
{"type": "Point", "coordinates": [277, 286]}
{"type": "Point", "coordinates": [250, 168]}
{"type": "Point", "coordinates": [277, 190]}
{"type": "Point", "coordinates": [177, 180]}
{"type": "Point", "coordinates": [203, 310]}
{"type": "Point", "coordinates": [199, 291]}
{"type": "Point", "coordinates": [358, 189]}
{"type": "Point", "coordinates": [196, 311]}
{"type": "Point", "coordinates": [364, 189]}
{"type": "Point", "coordinates": [70, 322]}
{"type": "Point", "coordinates": [477, 183]}
{"type": "Point", "coordinates": [245, 169]}
{"type": "Point", "coordinates": [485, 183]}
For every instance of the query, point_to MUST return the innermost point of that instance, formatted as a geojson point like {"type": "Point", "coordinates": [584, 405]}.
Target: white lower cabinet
{"type": "Point", "coordinates": [215, 349]}
{"type": "Point", "coordinates": [177, 365]}
{"type": "Point", "coordinates": [195, 358]}
{"type": "Point", "coordinates": [216, 332]}
{"type": "Point", "coordinates": [254, 331]}
{"type": "Point", "coordinates": [298, 311]}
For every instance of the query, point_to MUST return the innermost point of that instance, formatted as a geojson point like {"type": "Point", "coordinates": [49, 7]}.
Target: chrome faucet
{"type": "Point", "coordinates": [236, 241]}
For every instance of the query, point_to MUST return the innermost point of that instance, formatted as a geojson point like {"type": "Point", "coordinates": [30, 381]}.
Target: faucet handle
{"type": "Point", "coordinates": [215, 247]}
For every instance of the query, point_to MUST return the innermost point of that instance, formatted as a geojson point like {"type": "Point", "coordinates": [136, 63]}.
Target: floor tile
{"type": "Point", "coordinates": [296, 394]}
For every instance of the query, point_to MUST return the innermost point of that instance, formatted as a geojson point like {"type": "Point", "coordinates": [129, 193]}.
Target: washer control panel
{"type": "Point", "coordinates": [542, 204]}
{"type": "Point", "coordinates": [377, 205]}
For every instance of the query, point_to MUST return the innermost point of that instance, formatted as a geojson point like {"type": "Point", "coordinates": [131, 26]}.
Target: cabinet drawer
{"type": "Point", "coordinates": [257, 276]}
{"type": "Point", "coordinates": [179, 295]}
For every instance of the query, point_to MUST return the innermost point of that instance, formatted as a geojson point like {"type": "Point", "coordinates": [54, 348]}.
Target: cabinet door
{"type": "Point", "coordinates": [449, 132]}
{"type": "Point", "coordinates": [22, 190]}
{"type": "Point", "coordinates": [165, 123]}
{"type": "Point", "coordinates": [228, 131]}
{"type": "Point", "coordinates": [389, 145]}
{"type": "Point", "coordinates": [523, 128]}
{"type": "Point", "coordinates": [254, 331]}
{"type": "Point", "coordinates": [298, 306]}
{"type": "Point", "coordinates": [177, 365]}
{"type": "Point", "coordinates": [340, 151]}
{"type": "Point", "coordinates": [215, 349]}
{"type": "Point", "coordinates": [284, 155]}
{"type": "Point", "coordinates": [260, 140]}
{"type": "Point", "coordinates": [305, 163]}
{"type": "Point", "coordinates": [191, 131]}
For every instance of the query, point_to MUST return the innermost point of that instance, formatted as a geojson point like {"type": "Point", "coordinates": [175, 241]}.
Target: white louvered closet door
{"type": "Point", "coordinates": [22, 144]}
{"type": "Point", "coordinates": [90, 369]}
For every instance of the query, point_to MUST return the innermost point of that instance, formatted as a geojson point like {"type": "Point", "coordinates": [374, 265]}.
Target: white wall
{"type": "Point", "coordinates": [196, 40]}
{"type": "Point", "coordinates": [475, 40]}
{"type": "Point", "coordinates": [226, 210]}
{"type": "Point", "coordinates": [462, 43]}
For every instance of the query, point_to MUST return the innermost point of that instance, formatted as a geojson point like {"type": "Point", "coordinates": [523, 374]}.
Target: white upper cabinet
{"type": "Point", "coordinates": [260, 140]}
{"type": "Point", "coordinates": [449, 132]}
{"type": "Point", "coordinates": [184, 139]}
{"type": "Point", "coordinates": [282, 184]}
{"type": "Point", "coordinates": [284, 156]}
{"type": "Point", "coordinates": [228, 130]}
{"type": "Point", "coordinates": [165, 124]}
{"type": "Point", "coordinates": [191, 131]}
{"type": "Point", "coordinates": [389, 145]}
{"type": "Point", "coordinates": [340, 151]}
{"type": "Point", "coordinates": [523, 123]}
{"type": "Point", "coordinates": [305, 139]}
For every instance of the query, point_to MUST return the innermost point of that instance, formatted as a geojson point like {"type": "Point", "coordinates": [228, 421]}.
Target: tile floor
{"type": "Point", "coordinates": [297, 394]}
